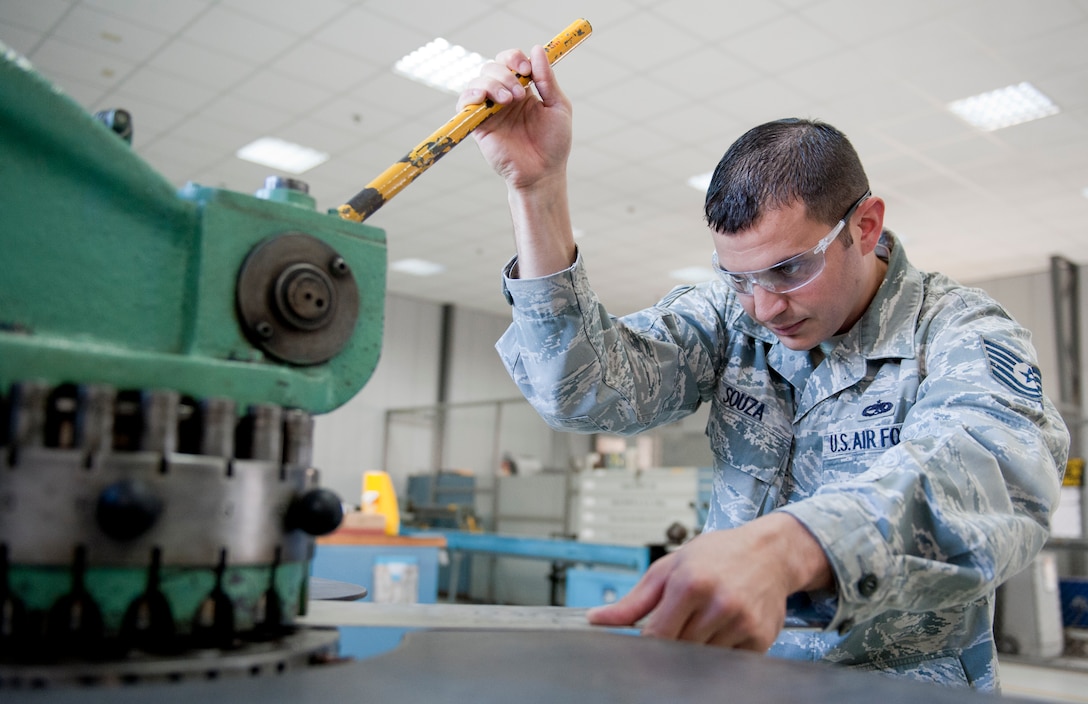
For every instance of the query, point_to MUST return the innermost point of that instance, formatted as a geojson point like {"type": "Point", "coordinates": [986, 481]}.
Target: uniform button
{"type": "Point", "coordinates": [867, 585]}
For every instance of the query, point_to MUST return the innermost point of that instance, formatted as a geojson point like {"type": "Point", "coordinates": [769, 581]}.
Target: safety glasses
{"type": "Point", "coordinates": [793, 273]}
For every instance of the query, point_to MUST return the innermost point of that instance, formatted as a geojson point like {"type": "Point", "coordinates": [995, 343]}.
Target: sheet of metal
{"type": "Point", "coordinates": [498, 617]}
{"type": "Point", "coordinates": [446, 616]}
{"type": "Point", "coordinates": [334, 590]}
{"type": "Point", "coordinates": [543, 667]}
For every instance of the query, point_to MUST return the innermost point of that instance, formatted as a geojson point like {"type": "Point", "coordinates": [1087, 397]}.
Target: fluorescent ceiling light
{"type": "Point", "coordinates": [282, 155]}
{"type": "Point", "coordinates": [701, 182]}
{"type": "Point", "coordinates": [692, 274]}
{"type": "Point", "coordinates": [441, 65]}
{"type": "Point", "coordinates": [417, 267]}
{"type": "Point", "coordinates": [1004, 107]}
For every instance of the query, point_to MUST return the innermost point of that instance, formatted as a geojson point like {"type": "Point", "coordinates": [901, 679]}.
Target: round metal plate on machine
{"type": "Point", "coordinates": [297, 299]}
{"type": "Point", "coordinates": [301, 649]}
{"type": "Point", "coordinates": [332, 590]}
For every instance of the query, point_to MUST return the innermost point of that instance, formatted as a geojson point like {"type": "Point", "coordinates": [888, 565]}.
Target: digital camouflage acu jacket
{"type": "Point", "coordinates": [921, 453]}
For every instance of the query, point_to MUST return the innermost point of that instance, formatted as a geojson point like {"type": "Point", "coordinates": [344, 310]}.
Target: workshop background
{"type": "Point", "coordinates": [659, 90]}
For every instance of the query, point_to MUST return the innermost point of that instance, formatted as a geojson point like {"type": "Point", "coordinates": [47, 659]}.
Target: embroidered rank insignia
{"type": "Point", "coordinates": [1012, 371]}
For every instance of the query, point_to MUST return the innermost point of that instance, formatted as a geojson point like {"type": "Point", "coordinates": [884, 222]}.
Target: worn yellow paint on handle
{"type": "Point", "coordinates": [393, 180]}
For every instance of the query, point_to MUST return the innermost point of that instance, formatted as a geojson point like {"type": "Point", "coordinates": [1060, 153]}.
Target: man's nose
{"type": "Point", "coordinates": [768, 305]}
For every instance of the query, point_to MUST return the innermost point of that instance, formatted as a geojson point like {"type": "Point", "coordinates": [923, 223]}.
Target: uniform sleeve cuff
{"type": "Point", "coordinates": [860, 558]}
{"type": "Point", "coordinates": [545, 294]}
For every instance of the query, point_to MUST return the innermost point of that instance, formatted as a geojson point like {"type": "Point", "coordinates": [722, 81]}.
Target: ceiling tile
{"type": "Point", "coordinates": [763, 100]}
{"type": "Point", "coordinates": [237, 111]}
{"type": "Point", "coordinates": [86, 95]}
{"type": "Point", "coordinates": [805, 40]}
{"type": "Point", "coordinates": [58, 59]}
{"type": "Point", "coordinates": [502, 30]}
{"type": "Point", "coordinates": [168, 90]}
{"type": "Point", "coordinates": [643, 41]}
{"type": "Point", "coordinates": [240, 35]}
{"type": "Point", "coordinates": [325, 66]}
{"type": "Point", "coordinates": [362, 113]}
{"type": "Point", "coordinates": [21, 39]}
{"type": "Point", "coordinates": [373, 37]}
{"type": "Point", "coordinates": [39, 15]}
{"type": "Point", "coordinates": [713, 22]}
{"type": "Point", "coordinates": [998, 23]}
{"type": "Point", "coordinates": [411, 99]}
{"type": "Point", "coordinates": [169, 17]}
{"type": "Point", "coordinates": [1057, 51]}
{"type": "Point", "coordinates": [211, 134]}
{"type": "Point", "coordinates": [559, 13]}
{"type": "Point", "coordinates": [200, 63]}
{"type": "Point", "coordinates": [708, 71]}
{"type": "Point", "coordinates": [192, 153]}
{"type": "Point", "coordinates": [846, 20]}
{"type": "Point", "coordinates": [290, 96]}
{"type": "Point", "coordinates": [290, 15]}
{"type": "Point", "coordinates": [108, 34]}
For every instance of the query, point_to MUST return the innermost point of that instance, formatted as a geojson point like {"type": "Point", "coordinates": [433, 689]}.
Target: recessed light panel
{"type": "Point", "coordinates": [282, 155]}
{"type": "Point", "coordinates": [1004, 107]}
{"type": "Point", "coordinates": [441, 65]}
{"type": "Point", "coordinates": [417, 267]}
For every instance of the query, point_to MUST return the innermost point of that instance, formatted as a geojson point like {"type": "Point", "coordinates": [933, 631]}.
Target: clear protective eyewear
{"type": "Point", "coordinates": [790, 274]}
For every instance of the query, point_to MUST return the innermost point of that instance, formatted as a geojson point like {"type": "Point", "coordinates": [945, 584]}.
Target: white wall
{"type": "Point", "coordinates": [349, 440]}
{"type": "Point", "coordinates": [1028, 299]}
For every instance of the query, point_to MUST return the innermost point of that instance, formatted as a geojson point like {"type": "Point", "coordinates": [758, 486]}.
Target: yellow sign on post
{"type": "Point", "coordinates": [380, 498]}
{"type": "Point", "coordinates": [1074, 472]}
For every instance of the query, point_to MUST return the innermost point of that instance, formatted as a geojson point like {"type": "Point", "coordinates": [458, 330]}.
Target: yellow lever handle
{"type": "Point", "coordinates": [393, 180]}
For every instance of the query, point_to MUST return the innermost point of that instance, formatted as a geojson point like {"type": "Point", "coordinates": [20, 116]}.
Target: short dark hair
{"type": "Point", "coordinates": [778, 163]}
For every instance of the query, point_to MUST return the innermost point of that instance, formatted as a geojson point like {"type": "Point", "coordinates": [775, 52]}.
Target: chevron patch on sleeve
{"type": "Point", "coordinates": [1011, 370]}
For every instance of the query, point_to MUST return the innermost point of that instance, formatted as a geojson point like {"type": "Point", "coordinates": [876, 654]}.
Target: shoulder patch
{"type": "Point", "coordinates": [1014, 372]}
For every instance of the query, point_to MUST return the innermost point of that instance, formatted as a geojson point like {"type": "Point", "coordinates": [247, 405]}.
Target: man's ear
{"type": "Point", "coordinates": [870, 223]}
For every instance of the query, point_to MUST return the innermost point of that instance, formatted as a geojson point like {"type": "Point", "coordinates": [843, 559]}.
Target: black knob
{"type": "Point", "coordinates": [316, 512]}
{"type": "Point", "coordinates": [676, 533]}
{"type": "Point", "coordinates": [118, 120]}
{"type": "Point", "coordinates": [127, 509]}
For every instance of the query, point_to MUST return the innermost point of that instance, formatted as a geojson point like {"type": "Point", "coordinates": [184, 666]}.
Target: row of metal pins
{"type": "Point", "coordinates": [74, 626]}
{"type": "Point", "coordinates": [99, 419]}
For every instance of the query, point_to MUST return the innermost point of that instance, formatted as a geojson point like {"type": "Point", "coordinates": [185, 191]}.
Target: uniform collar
{"type": "Point", "coordinates": [886, 330]}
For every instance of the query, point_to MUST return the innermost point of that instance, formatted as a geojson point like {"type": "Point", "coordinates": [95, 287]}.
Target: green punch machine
{"type": "Point", "coordinates": [162, 354]}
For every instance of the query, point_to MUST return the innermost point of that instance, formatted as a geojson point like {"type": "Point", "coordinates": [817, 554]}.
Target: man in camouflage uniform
{"type": "Point", "coordinates": [884, 455]}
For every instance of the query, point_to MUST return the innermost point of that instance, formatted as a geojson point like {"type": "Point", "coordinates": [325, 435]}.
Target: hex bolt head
{"type": "Point", "coordinates": [339, 267]}
{"type": "Point", "coordinates": [264, 329]}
